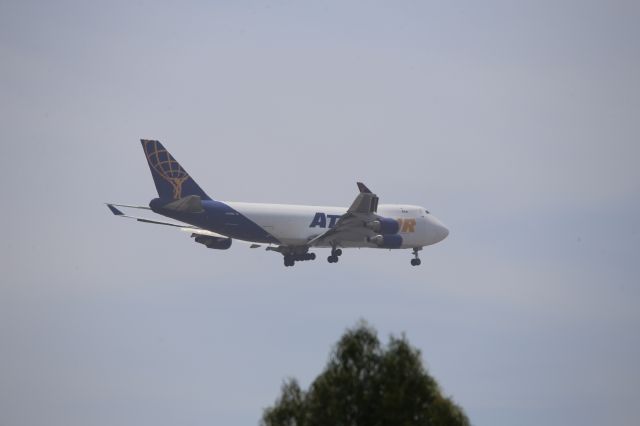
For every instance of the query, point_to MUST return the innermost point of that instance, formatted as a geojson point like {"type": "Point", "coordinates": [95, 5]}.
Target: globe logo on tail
{"type": "Point", "coordinates": [166, 166]}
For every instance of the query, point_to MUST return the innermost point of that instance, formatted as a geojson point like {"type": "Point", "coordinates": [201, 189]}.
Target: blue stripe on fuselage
{"type": "Point", "coordinates": [218, 217]}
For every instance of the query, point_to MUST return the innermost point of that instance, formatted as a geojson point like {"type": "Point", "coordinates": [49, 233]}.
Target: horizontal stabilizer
{"type": "Point", "coordinates": [131, 207]}
{"type": "Point", "coordinates": [119, 213]}
{"type": "Point", "coordinates": [114, 210]}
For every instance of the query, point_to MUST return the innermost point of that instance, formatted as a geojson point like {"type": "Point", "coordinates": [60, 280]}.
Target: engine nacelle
{"type": "Point", "coordinates": [213, 242]}
{"type": "Point", "coordinates": [384, 226]}
{"type": "Point", "coordinates": [387, 241]}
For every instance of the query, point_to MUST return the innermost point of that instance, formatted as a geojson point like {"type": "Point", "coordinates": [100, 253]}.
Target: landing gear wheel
{"type": "Point", "coordinates": [415, 262]}
{"type": "Point", "coordinates": [332, 259]}
{"type": "Point", "coordinates": [289, 261]}
{"type": "Point", "coordinates": [337, 252]}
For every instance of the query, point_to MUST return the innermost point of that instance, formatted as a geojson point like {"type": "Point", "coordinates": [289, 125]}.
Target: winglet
{"type": "Point", "coordinates": [366, 202]}
{"type": "Point", "coordinates": [114, 210]}
{"type": "Point", "coordinates": [363, 188]}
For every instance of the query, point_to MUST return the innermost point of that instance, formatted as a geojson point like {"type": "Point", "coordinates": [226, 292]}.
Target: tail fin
{"type": "Point", "coordinates": [172, 181]}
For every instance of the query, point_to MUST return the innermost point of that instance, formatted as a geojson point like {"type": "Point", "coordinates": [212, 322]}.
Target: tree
{"type": "Point", "coordinates": [365, 384]}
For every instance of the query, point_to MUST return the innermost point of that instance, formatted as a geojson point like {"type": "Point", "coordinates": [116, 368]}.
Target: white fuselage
{"type": "Point", "coordinates": [297, 224]}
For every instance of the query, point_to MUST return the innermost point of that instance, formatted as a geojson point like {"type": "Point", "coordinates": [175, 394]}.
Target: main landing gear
{"type": "Point", "coordinates": [416, 260]}
{"type": "Point", "coordinates": [335, 254]}
{"type": "Point", "coordinates": [290, 259]}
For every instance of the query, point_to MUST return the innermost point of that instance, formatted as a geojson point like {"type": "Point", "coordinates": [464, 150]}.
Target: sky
{"type": "Point", "coordinates": [515, 123]}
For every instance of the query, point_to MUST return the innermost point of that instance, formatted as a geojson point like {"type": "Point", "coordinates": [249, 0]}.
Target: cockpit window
{"type": "Point", "coordinates": [427, 211]}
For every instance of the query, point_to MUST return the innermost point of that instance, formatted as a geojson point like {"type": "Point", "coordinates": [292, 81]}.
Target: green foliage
{"type": "Point", "coordinates": [365, 384]}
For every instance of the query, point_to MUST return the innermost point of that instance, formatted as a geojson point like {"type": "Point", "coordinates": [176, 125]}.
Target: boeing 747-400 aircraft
{"type": "Point", "coordinates": [291, 230]}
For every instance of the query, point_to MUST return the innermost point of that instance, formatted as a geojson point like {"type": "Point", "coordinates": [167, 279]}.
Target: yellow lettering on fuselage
{"type": "Point", "coordinates": [407, 225]}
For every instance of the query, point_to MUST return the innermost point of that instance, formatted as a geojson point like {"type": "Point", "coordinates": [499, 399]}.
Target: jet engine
{"type": "Point", "coordinates": [387, 241]}
{"type": "Point", "coordinates": [217, 243]}
{"type": "Point", "coordinates": [384, 226]}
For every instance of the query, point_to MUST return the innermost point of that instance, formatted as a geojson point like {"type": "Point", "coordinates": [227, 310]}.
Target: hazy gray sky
{"type": "Point", "coordinates": [516, 123]}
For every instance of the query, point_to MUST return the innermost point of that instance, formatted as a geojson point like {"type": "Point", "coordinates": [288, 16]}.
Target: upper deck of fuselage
{"type": "Point", "coordinates": [399, 210]}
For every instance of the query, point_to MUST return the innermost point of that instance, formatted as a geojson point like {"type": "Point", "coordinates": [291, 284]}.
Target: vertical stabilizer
{"type": "Point", "coordinates": [172, 181]}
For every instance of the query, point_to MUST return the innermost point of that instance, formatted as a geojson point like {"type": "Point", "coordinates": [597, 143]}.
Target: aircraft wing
{"type": "Point", "coordinates": [351, 226]}
{"type": "Point", "coordinates": [184, 227]}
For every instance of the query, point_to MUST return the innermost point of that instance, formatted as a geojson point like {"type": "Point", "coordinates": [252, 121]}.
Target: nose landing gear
{"type": "Point", "coordinates": [416, 261]}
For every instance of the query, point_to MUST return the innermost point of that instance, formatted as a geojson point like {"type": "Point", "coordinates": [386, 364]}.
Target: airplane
{"type": "Point", "coordinates": [291, 230]}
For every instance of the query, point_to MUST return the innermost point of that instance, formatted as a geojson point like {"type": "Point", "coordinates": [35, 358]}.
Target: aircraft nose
{"type": "Point", "coordinates": [443, 232]}
{"type": "Point", "coordinates": [438, 231]}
